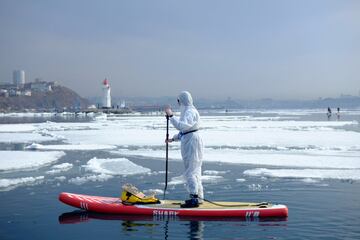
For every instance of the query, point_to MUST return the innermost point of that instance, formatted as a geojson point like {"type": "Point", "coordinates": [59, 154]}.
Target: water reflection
{"type": "Point", "coordinates": [133, 223]}
{"type": "Point", "coordinates": [196, 229]}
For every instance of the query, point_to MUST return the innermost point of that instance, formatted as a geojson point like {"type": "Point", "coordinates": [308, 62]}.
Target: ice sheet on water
{"type": "Point", "coordinates": [24, 160]}
{"type": "Point", "coordinates": [312, 159]}
{"type": "Point", "coordinates": [309, 180]}
{"type": "Point", "coordinates": [288, 158]}
{"type": "Point", "coordinates": [153, 191]}
{"type": "Point", "coordinates": [149, 152]}
{"type": "Point", "coordinates": [353, 174]}
{"type": "Point", "coordinates": [27, 114]}
{"type": "Point", "coordinates": [60, 178]}
{"type": "Point", "coordinates": [17, 128]}
{"type": "Point", "coordinates": [115, 166]}
{"type": "Point", "coordinates": [257, 187]}
{"type": "Point", "coordinates": [90, 178]}
{"type": "Point", "coordinates": [83, 147]}
{"type": "Point", "coordinates": [60, 168]}
{"type": "Point", "coordinates": [214, 172]}
{"type": "Point", "coordinates": [205, 179]}
{"type": "Point", "coordinates": [281, 137]}
{"type": "Point", "coordinates": [241, 180]}
{"type": "Point", "coordinates": [66, 126]}
{"type": "Point", "coordinates": [18, 137]}
{"type": "Point", "coordinates": [232, 139]}
{"type": "Point", "coordinates": [177, 180]}
{"type": "Point", "coordinates": [224, 130]}
{"type": "Point", "coordinates": [11, 183]}
{"type": "Point", "coordinates": [211, 178]}
{"type": "Point", "coordinates": [119, 137]}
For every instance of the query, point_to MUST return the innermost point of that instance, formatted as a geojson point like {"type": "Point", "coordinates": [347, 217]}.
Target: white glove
{"type": "Point", "coordinates": [168, 112]}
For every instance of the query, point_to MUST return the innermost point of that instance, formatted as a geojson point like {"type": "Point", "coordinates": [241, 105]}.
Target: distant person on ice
{"type": "Point", "coordinates": [191, 146]}
{"type": "Point", "coordinates": [329, 113]}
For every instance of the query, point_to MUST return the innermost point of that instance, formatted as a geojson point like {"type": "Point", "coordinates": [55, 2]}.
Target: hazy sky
{"type": "Point", "coordinates": [282, 49]}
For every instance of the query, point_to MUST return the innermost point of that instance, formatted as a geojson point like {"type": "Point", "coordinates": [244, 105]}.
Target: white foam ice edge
{"type": "Point", "coordinates": [205, 179]}
{"type": "Point", "coordinates": [341, 174]}
{"type": "Point", "coordinates": [25, 160]}
{"type": "Point", "coordinates": [60, 168]}
{"type": "Point", "coordinates": [108, 168]}
{"type": "Point", "coordinates": [214, 172]}
{"type": "Point", "coordinates": [311, 159]}
{"type": "Point", "coordinates": [24, 127]}
{"type": "Point", "coordinates": [149, 131]}
{"type": "Point", "coordinates": [67, 147]}
{"type": "Point", "coordinates": [90, 178]}
{"type": "Point", "coordinates": [12, 183]}
{"type": "Point", "coordinates": [154, 191]}
{"type": "Point", "coordinates": [218, 131]}
{"type": "Point", "coordinates": [241, 180]}
{"type": "Point", "coordinates": [317, 164]}
{"type": "Point", "coordinates": [115, 166]}
{"type": "Point", "coordinates": [23, 137]}
{"type": "Point", "coordinates": [27, 114]}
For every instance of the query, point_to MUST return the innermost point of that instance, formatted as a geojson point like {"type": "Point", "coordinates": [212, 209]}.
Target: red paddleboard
{"type": "Point", "coordinates": [111, 205]}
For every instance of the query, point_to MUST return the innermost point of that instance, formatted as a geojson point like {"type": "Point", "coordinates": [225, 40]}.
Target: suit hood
{"type": "Point", "coordinates": [185, 99]}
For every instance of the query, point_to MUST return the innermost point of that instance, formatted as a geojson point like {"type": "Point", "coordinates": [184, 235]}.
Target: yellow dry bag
{"type": "Point", "coordinates": [131, 195]}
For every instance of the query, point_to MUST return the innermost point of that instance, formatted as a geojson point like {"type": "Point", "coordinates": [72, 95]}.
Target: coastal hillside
{"type": "Point", "coordinates": [59, 98]}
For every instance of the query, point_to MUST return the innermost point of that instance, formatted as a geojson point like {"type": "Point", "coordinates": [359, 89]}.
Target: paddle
{"type": "Point", "coordinates": [167, 154]}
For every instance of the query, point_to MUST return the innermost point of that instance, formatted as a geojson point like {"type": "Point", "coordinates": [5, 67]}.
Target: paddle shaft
{"type": "Point", "coordinates": [167, 154]}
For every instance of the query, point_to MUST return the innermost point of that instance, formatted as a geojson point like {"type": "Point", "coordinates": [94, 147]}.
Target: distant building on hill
{"type": "Point", "coordinates": [19, 78]}
{"type": "Point", "coordinates": [40, 86]}
{"type": "Point", "coordinates": [19, 87]}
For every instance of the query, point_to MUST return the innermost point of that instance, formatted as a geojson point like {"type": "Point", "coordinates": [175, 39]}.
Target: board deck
{"type": "Point", "coordinates": [111, 205]}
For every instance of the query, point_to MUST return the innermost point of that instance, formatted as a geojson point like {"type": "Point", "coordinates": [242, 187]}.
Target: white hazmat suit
{"type": "Point", "coordinates": [191, 143]}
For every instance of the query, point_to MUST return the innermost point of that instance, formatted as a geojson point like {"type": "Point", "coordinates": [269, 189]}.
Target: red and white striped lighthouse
{"type": "Point", "coordinates": [106, 101]}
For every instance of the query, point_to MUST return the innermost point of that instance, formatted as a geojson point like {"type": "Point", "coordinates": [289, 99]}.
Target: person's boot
{"type": "Point", "coordinates": [193, 202]}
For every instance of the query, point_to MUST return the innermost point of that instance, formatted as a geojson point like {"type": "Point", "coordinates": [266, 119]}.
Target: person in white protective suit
{"type": "Point", "coordinates": [191, 146]}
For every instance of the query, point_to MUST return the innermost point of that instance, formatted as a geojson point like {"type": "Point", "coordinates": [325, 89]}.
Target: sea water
{"type": "Point", "coordinates": [295, 157]}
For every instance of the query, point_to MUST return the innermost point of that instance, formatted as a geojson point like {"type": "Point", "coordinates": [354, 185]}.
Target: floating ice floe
{"type": "Point", "coordinates": [176, 180]}
{"type": "Point", "coordinates": [154, 191]}
{"type": "Point", "coordinates": [256, 187]}
{"type": "Point", "coordinates": [25, 160]}
{"type": "Point", "coordinates": [280, 136]}
{"type": "Point", "coordinates": [115, 136]}
{"type": "Point", "coordinates": [11, 183]}
{"type": "Point", "coordinates": [19, 137]}
{"type": "Point", "coordinates": [12, 128]}
{"type": "Point", "coordinates": [246, 139]}
{"type": "Point", "coordinates": [314, 159]}
{"type": "Point", "coordinates": [216, 131]}
{"type": "Point", "coordinates": [289, 158]}
{"type": "Point", "coordinates": [27, 114]}
{"type": "Point", "coordinates": [60, 178]}
{"type": "Point", "coordinates": [66, 126]}
{"type": "Point", "coordinates": [211, 178]}
{"type": "Point", "coordinates": [214, 173]}
{"type": "Point", "coordinates": [60, 168]}
{"type": "Point", "coordinates": [115, 166]}
{"type": "Point", "coordinates": [205, 179]}
{"type": "Point", "coordinates": [241, 180]}
{"type": "Point", "coordinates": [90, 178]}
{"type": "Point", "coordinates": [76, 147]}
{"type": "Point", "coordinates": [309, 180]}
{"type": "Point", "coordinates": [353, 174]}
{"type": "Point", "coordinates": [157, 153]}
